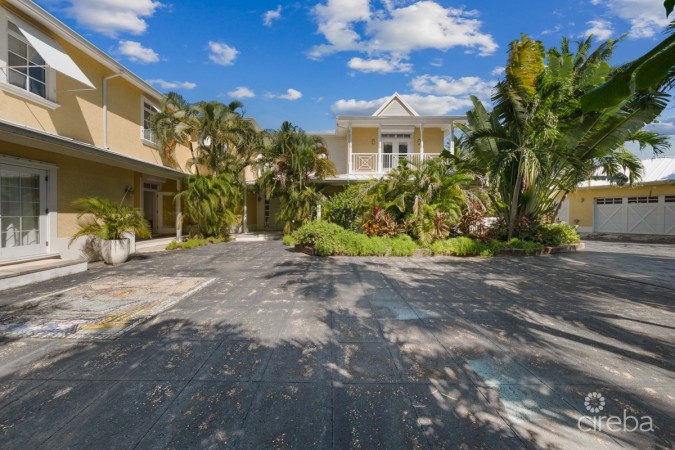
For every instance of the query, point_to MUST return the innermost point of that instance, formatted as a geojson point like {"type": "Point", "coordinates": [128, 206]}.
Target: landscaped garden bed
{"type": "Point", "coordinates": [328, 239]}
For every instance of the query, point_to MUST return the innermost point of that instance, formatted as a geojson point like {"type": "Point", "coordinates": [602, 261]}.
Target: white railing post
{"type": "Point", "coordinates": [349, 151]}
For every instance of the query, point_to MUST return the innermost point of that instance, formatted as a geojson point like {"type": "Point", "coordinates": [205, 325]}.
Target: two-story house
{"type": "Point", "coordinates": [73, 123]}
{"type": "Point", "coordinates": [367, 147]}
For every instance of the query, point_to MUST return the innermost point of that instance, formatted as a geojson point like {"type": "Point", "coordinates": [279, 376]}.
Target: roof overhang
{"type": "Point", "coordinates": [444, 122]}
{"type": "Point", "coordinates": [21, 135]}
{"type": "Point", "coordinates": [33, 11]}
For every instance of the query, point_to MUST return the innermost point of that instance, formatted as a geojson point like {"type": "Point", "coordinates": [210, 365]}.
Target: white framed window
{"type": "Point", "coordinates": [25, 67]}
{"type": "Point", "coordinates": [147, 110]}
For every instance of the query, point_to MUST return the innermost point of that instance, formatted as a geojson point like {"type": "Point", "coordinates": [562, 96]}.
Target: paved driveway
{"type": "Point", "coordinates": [260, 347]}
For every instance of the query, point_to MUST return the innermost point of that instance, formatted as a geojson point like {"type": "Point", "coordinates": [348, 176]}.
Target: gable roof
{"type": "Point", "coordinates": [395, 106]}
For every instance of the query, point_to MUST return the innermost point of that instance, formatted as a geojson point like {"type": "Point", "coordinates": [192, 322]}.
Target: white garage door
{"type": "Point", "coordinates": [639, 215]}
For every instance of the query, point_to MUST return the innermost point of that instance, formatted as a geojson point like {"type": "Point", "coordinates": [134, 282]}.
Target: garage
{"type": "Point", "coordinates": [636, 214]}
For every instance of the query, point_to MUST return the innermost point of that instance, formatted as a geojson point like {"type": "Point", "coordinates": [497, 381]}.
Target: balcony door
{"type": "Point", "coordinates": [23, 213]}
{"type": "Point", "coordinates": [394, 147]}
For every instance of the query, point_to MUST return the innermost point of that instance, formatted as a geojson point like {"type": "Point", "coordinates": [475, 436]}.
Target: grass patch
{"type": "Point", "coordinates": [193, 243]}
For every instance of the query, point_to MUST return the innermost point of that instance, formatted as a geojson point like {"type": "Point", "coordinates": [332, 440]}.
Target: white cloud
{"type": "Point", "coordinates": [135, 52]}
{"type": "Point", "coordinates": [222, 54]}
{"type": "Point", "coordinates": [290, 95]}
{"type": "Point", "coordinates": [448, 86]}
{"type": "Point", "coordinates": [163, 84]}
{"type": "Point", "coordinates": [271, 15]}
{"type": "Point", "coordinates": [497, 71]}
{"type": "Point", "coordinates": [600, 29]}
{"type": "Point", "coordinates": [336, 21]}
{"type": "Point", "coordinates": [112, 17]}
{"type": "Point", "coordinates": [378, 65]}
{"type": "Point", "coordinates": [241, 92]}
{"type": "Point", "coordinates": [351, 25]}
{"type": "Point", "coordinates": [664, 125]}
{"type": "Point", "coordinates": [437, 62]}
{"type": "Point", "coordinates": [646, 17]}
{"type": "Point", "coordinates": [434, 105]}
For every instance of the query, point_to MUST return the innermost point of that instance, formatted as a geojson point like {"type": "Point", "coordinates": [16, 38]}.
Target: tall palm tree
{"type": "Point", "coordinates": [292, 160]}
{"type": "Point", "coordinates": [174, 124]}
{"type": "Point", "coordinates": [537, 144]}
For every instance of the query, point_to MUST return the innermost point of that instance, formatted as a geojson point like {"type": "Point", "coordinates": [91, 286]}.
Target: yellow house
{"type": "Point", "coordinates": [647, 207]}
{"type": "Point", "coordinates": [367, 147]}
{"type": "Point", "coordinates": [73, 123]}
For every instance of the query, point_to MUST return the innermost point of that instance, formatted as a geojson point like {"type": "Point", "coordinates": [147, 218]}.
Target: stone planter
{"type": "Point", "coordinates": [115, 251]}
{"type": "Point", "coordinates": [306, 249]}
{"type": "Point", "coordinates": [542, 250]}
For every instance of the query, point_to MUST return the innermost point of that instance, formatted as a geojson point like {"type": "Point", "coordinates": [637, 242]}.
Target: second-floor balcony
{"type": "Point", "coordinates": [380, 163]}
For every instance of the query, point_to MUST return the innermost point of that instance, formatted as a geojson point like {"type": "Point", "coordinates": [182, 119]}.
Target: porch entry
{"type": "Point", "coordinates": [23, 212]}
{"type": "Point", "coordinates": [159, 208]}
{"type": "Point", "coordinates": [395, 147]}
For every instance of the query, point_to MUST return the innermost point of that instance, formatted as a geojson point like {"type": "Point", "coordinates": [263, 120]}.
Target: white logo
{"type": "Point", "coordinates": [594, 402]}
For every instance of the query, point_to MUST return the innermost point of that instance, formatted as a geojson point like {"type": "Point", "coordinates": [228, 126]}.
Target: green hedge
{"type": "Point", "coordinates": [331, 239]}
{"type": "Point", "coordinates": [194, 242]}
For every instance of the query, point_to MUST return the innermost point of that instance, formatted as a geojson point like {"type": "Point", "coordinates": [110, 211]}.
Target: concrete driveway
{"type": "Point", "coordinates": [250, 345]}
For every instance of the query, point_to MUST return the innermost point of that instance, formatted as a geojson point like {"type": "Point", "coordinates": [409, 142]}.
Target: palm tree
{"type": "Point", "coordinates": [174, 124]}
{"type": "Point", "coordinates": [537, 144]}
{"type": "Point", "coordinates": [291, 161]}
{"type": "Point", "coordinates": [209, 202]}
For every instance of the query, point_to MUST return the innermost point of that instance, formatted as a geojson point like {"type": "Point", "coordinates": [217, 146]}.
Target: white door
{"type": "Point", "coordinates": [23, 213]}
{"type": "Point", "coordinates": [636, 215]}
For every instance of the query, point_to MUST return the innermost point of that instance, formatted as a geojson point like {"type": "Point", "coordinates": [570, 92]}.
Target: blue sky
{"type": "Point", "coordinates": [307, 61]}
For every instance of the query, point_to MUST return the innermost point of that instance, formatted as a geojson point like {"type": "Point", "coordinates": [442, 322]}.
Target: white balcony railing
{"type": "Point", "coordinates": [384, 162]}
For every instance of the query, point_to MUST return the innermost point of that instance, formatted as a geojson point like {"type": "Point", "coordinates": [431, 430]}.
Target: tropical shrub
{"type": "Point", "coordinates": [193, 243]}
{"type": "Point", "coordinates": [555, 234]}
{"type": "Point", "coordinates": [288, 240]}
{"type": "Point", "coordinates": [402, 245]}
{"type": "Point", "coordinates": [346, 208]}
{"type": "Point", "coordinates": [462, 246]}
{"type": "Point", "coordinates": [350, 243]}
{"type": "Point", "coordinates": [319, 234]}
{"type": "Point", "coordinates": [381, 222]}
{"type": "Point", "coordinates": [209, 203]}
{"type": "Point", "coordinates": [107, 220]}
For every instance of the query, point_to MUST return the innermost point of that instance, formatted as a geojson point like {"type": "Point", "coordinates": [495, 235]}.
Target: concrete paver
{"type": "Point", "coordinates": [251, 345]}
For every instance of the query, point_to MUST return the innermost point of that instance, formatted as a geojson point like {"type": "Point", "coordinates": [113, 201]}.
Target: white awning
{"type": "Point", "coordinates": [53, 54]}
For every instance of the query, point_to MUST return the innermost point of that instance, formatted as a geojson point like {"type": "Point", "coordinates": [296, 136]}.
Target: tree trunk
{"type": "Point", "coordinates": [192, 153]}
{"type": "Point", "coordinates": [514, 201]}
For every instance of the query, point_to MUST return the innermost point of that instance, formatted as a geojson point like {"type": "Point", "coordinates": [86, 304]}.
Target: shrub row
{"type": "Point", "coordinates": [330, 239]}
{"type": "Point", "coordinates": [194, 242]}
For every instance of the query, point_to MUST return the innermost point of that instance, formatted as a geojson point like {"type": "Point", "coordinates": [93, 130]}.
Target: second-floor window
{"type": "Point", "coordinates": [148, 110]}
{"type": "Point", "coordinates": [26, 68]}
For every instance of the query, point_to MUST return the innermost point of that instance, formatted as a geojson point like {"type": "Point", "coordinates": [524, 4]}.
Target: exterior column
{"type": "Point", "coordinates": [421, 142]}
{"type": "Point", "coordinates": [452, 137]}
{"type": "Point", "coordinates": [179, 216]}
{"type": "Point", "coordinates": [244, 213]}
{"type": "Point", "coordinates": [349, 150]}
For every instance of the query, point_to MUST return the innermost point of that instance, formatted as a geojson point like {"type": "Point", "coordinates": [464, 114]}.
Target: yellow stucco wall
{"type": "Point", "coordinates": [78, 178]}
{"type": "Point", "coordinates": [362, 140]}
{"type": "Point", "coordinates": [80, 112]}
{"type": "Point", "coordinates": [433, 140]}
{"type": "Point", "coordinates": [582, 200]}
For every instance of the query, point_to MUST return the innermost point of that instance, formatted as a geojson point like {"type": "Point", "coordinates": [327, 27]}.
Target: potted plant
{"type": "Point", "coordinates": [108, 222]}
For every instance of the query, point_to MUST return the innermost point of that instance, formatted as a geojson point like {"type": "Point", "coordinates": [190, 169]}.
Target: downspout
{"type": "Point", "coordinates": [105, 107]}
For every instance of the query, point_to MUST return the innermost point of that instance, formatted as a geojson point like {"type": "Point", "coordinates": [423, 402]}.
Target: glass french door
{"type": "Point", "coordinates": [23, 219]}
{"type": "Point", "coordinates": [399, 143]}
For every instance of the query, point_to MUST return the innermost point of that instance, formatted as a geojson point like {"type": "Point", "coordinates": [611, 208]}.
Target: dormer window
{"type": "Point", "coordinates": [26, 68]}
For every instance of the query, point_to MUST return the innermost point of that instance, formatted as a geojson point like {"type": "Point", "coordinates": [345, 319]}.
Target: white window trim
{"type": "Point", "coordinates": [49, 101]}
{"type": "Point", "coordinates": [144, 101]}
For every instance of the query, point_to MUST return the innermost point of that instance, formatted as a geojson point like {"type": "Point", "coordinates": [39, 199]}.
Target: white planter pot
{"type": "Point", "coordinates": [115, 251]}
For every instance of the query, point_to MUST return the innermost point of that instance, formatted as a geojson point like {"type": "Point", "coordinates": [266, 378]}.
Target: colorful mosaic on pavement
{"type": "Point", "coordinates": [100, 309]}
